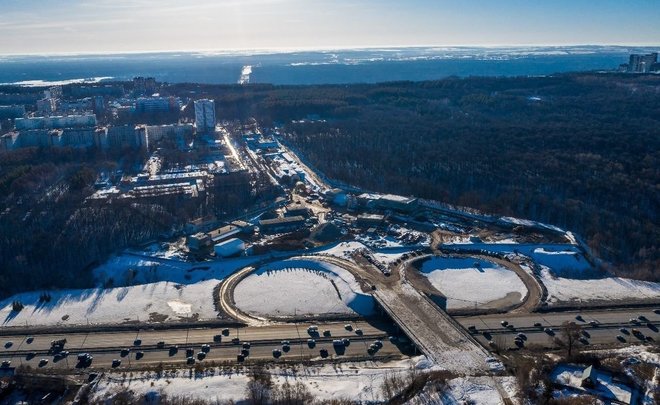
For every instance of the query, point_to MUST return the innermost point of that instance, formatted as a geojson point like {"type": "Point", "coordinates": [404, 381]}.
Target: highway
{"type": "Point", "coordinates": [605, 333]}
{"type": "Point", "coordinates": [106, 346]}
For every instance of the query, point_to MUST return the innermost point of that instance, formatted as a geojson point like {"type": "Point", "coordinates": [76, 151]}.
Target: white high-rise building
{"type": "Point", "coordinates": [205, 115]}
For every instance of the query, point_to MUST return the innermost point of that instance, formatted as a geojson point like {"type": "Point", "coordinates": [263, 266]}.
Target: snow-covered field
{"type": "Point", "coordinates": [139, 289]}
{"type": "Point", "coordinates": [145, 302]}
{"type": "Point", "coordinates": [465, 284]}
{"type": "Point", "coordinates": [562, 259]}
{"type": "Point", "coordinates": [301, 287]}
{"type": "Point", "coordinates": [571, 376]}
{"type": "Point", "coordinates": [360, 382]}
{"type": "Point", "coordinates": [602, 290]}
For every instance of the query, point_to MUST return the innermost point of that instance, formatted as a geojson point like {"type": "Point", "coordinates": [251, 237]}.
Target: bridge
{"type": "Point", "coordinates": [438, 336]}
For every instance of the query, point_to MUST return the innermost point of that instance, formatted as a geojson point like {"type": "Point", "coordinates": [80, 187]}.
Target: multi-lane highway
{"type": "Point", "coordinates": [599, 327]}
{"type": "Point", "coordinates": [106, 346]}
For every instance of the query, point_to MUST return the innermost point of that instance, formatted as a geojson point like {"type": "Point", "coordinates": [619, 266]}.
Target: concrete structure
{"type": "Point", "coordinates": [67, 121]}
{"type": "Point", "coordinates": [175, 131]}
{"type": "Point", "coordinates": [642, 63]}
{"type": "Point", "coordinates": [205, 115]}
{"type": "Point", "coordinates": [388, 202]}
{"type": "Point", "coordinates": [12, 111]}
{"type": "Point", "coordinates": [229, 247]}
{"type": "Point", "coordinates": [276, 225]}
{"type": "Point", "coordinates": [156, 104]}
{"type": "Point", "coordinates": [198, 241]}
{"type": "Point", "coordinates": [370, 220]}
{"type": "Point", "coordinates": [224, 232]}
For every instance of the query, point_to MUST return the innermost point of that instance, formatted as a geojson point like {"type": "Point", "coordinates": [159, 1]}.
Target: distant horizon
{"type": "Point", "coordinates": [284, 50]}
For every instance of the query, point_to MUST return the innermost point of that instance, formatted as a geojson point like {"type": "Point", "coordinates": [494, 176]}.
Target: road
{"type": "Point", "coordinates": [106, 346]}
{"type": "Point", "coordinates": [609, 323]}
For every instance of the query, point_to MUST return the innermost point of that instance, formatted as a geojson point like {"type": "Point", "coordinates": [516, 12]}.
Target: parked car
{"type": "Point", "coordinates": [190, 360]}
{"type": "Point", "coordinates": [139, 355]}
{"type": "Point", "coordinates": [201, 356]}
{"type": "Point", "coordinates": [277, 353]}
{"type": "Point", "coordinates": [160, 344]}
{"type": "Point", "coordinates": [43, 362]}
{"type": "Point", "coordinates": [217, 338]}
{"type": "Point", "coordinates": [116, 363]}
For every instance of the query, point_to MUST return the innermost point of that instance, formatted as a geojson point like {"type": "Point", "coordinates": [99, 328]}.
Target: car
{"type": "Point", "coordinates": [137, 342]}
{"type": "Point", "coordinates": [347, 341]}
{"type": "Point", "coordinates": [32, 355]}
{"type": "Point", "coordinates": [636, 332]}
{"type": "Point", "coordinates": [285, 342]}
{"type": "Point", "coordinates": [246, 345]}
{"type": "Point", "coordinates": [239, 358]}
{"type": "Point", "coordinates": [236, 341]}
{"type": "Point", "coordinates": [510, 326]}
{"type": "Point", "coordinates": [472, 328]}
{"type": "Point", "coordinates": [392, 339]}
{"type": "Point", "coordinates": [160, 344]}
{"type": "Point", "coordinates": [323, 353]}
{"type": "Point", "coordinates": [190, 360]}
{"type": "Point", "coordinates": [201, 356]}
{"type": "Point", "coordinates": [338, 343]}
{"type": "Point", "coordinates": [348, 326]}
{"type": "Point", "coordinates": [326, 333]}
{"type": "Point", "coordinates": [190, 351]}
{"type": "Point", "coordinates": [583, 340]}
{"type": "Point", "coordinates": [116, 363]}
{"type": "Point", "coordinates": [585, 334]}
{"type": "Point", "coordinates": [43, 362]}
{"type": "Point", "coordinates": [378, 344]}
{"type": "Point", "coordinates": [206, 348]}
{"type": "Point", "coordinates": [620, 338]}
{"type": "Point", "coordinates": [579, 318]}
{"type": "Point", "coordinates": [5, 364]}
{"type": "Point", "coordinates": [277, 353]}
{"type": "Point", "coordinates": [649, 338]}
{"type": "Point", "coordinates": [358, 332]}
{"type": "Point", "coordinates": [491, 343]}
{"type": "Point", "coordinates": [225, 331]}
{"type": "Point", "coordinates": [624, 331]}
{"type": "Point", "coordinates": [173, 350]}
{"type": "Point", "coordinates": [657, 311]}
{"type": "Point", "coordinates": [139, 355]}
{"type": "Point", "coordinates": [643, 318]}
{"type": "Point", "coordinates": [217, 338]}
{"type": "Point", "coordinates": [29, 340]}
{"type": "Point", "coordinates": [634, 321]}
{"type": "Point", "coordinates": [8, 344]}
{"type": "Point", "coordinates": [504, 323]}
{"type": "Point", "coordinates": [245, 352]}
{"type": "Point", "coordinates": [124, 352]}
{"type": "Point", "coordinates": [549, 331]}
{"type": "Point", "coordinates": [311, 343]}
{"type": "Point", "coordinates": [594, 324]}
{"type": "Point", "coordinates": [286, 348]}
{"type": "Point", "coordinates": [313, 329]}
{"type": "Point", "coordinates": [538, 324]}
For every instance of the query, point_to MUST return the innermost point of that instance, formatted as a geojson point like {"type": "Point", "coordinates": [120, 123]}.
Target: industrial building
{"type": "Point", "coordinates": [277, 225]}
{"type": "Point", "coordinates": [388, 202]}
{"type": "Point", "coordinates": [229, 247]}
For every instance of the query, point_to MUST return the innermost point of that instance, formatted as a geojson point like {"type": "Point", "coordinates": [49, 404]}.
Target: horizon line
{"type": "Point", "coordinates": [266, 51]}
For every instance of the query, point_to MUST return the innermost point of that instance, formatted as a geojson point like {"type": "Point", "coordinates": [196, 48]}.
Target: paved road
{"type": "Point", "coordinates": [106, 346]}
{"type": "Point", "coordinates": [609, 323]}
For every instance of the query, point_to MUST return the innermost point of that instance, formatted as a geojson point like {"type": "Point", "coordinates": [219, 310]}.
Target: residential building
{"type": "Point", "coordinates": [205, 115]}
{"type": "Point", "coordinates": [67, 121]}
{"type": "Point", "coordinates": [642, 63]}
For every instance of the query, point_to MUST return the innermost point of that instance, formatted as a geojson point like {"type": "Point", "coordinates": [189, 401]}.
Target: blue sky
{"type": "Point", "coordinates": [73, 26]}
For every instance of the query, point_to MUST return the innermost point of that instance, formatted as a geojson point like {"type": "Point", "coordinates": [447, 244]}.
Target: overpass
{"type": "Point", "coordinates": [438, 336]}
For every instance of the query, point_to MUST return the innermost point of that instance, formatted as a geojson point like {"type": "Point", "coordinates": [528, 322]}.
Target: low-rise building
{"type": "Point", "coordinates": [198, 241]}
{"type": "Point", "coordinates": [229, 247]}
{"type": "Point", "coordinates": [278, 225]}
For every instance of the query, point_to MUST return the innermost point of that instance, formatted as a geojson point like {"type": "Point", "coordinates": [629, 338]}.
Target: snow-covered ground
{"type": "Point", "coordinates": [607, 289]}
{"type": "Point", "coordinates": [161, 301]}
{"type": "Point", "coordinates": [138, 288]}
{"type": "Point", "coordinates": [562, 259]}
{"type": "Point", "coordinates": [358, 381]}
{"type": "Point", "coordinates": [465, 284]}
{"type": "Point", "coordinates": [302, 287]}
{"type": "Point", "coordinates": [571, 376]}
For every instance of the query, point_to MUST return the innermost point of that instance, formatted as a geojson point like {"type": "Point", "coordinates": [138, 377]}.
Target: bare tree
{"type": "Point", "coordinates": [570, 333]}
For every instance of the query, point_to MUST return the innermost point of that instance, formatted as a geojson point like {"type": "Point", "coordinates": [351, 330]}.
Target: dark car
{"type": "Point", "coordinates": [116, 363]}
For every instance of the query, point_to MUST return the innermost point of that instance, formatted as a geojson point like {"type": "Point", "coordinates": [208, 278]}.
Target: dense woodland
{"type": "Point", "coordinates": [579, 151]}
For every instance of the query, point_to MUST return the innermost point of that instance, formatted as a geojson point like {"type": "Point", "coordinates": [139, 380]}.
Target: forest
{"type": "Point", "coordinates": [579, 151]}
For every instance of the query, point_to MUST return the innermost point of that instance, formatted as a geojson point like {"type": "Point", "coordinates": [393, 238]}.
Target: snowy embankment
{"type": "Point", "coordinates": [467, 282]}
{"type": "Point", "coordinates": [360, 382]}
{"type": "Point", "coordinates": [561, 259]}
{"type": "Point", "coordinates": [606, 387]}
{"type": "Point", "coordinates": [600, 290]}
{"type": "Point", "coordinates": [301, 287]}
{"type": "Point", "coordinates": [138, 289]}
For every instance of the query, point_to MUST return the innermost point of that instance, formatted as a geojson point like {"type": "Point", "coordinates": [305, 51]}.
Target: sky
{"type": "Point", "coordinates": [105, 26]}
